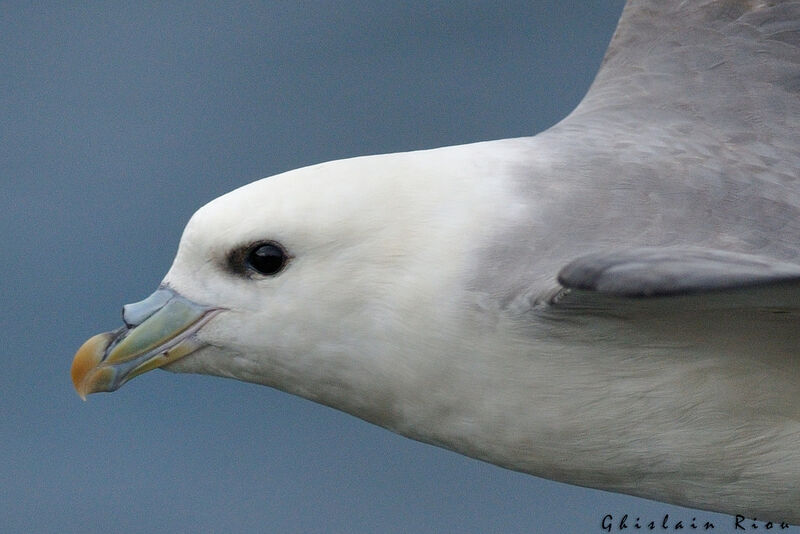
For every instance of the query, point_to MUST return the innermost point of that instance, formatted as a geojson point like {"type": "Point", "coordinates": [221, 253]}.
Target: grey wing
{"type": "Point", "coordinates": [702, 86]}
{"type": "Point", "coordinates": [675, 281]}
{"type": "Point", "coordinates": [652, 271]}
{"type": "Point", "coordinates": [679, 172]}
{"type": "Point", "coordinates": [701, 301]}
{"type": "Point", "coordinates": [731, 67]}
{"type": "Point", "coordinates": [688, 137]}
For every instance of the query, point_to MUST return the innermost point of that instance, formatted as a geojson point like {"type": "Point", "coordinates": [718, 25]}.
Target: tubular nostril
{"type": "Point", "coordinates": [135, 313]}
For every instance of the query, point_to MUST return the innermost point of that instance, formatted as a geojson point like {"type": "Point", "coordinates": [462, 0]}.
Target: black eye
{"type": "Point", "coordinates": [267, 258]}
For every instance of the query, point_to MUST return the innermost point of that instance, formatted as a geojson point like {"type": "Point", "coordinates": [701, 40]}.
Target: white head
{"type": "Point", "coordinates": [367, 298]}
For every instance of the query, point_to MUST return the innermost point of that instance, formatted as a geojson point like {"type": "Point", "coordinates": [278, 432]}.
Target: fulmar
{"type": "Point", "coordinates": [612, 303]}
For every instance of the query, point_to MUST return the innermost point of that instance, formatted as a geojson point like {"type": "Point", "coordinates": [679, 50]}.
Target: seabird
{"type": "Point", "coordinates": [613, 303]}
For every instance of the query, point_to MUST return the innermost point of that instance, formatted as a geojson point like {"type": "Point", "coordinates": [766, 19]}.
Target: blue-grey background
{"type": "Point", "coordinates": [117, 121]}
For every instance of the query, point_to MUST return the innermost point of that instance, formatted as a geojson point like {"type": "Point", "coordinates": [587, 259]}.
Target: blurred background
{"type": "Point", "coordinates": [119, 120]}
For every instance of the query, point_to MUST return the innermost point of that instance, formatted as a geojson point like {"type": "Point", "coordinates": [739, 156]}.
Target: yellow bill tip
{"type": "Point", "coordinates": [87, 377]}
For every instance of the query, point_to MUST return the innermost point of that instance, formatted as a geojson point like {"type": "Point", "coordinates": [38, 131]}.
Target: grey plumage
{"type": "Point", "coordinates": [675, 181]}
{"type": "Point", "coordinates": [689, 137]}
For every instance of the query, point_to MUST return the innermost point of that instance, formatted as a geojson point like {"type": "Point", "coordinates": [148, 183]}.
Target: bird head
{"type": "Point", "coordinates": [321, 281]}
